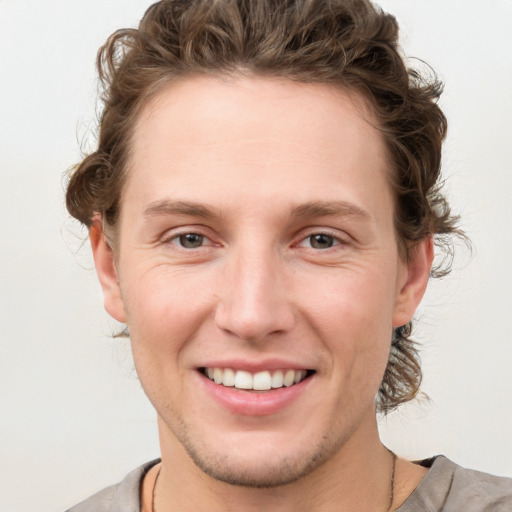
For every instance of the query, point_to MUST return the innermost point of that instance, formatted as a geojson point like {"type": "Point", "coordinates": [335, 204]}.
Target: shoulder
{"type": "Point", "coordinates": [121, 497]}
{"type": "Point", "coordinates": [480, 491]}
{"type": "Point", "coordinates": [448, 487]}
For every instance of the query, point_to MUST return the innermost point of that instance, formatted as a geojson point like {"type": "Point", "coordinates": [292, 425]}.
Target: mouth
{"type": "Point", "coordinates": [259, 381]}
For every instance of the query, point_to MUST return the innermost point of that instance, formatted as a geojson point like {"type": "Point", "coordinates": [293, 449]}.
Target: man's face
{"type": "Point", "coordinates": [257, 248]}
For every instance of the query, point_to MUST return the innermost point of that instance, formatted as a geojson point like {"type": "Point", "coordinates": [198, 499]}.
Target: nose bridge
{"type": "Point", "coordinates": [254, 302]}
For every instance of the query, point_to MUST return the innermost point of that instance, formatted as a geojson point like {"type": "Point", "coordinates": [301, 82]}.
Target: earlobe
{"type": "Point", "coordinates": [419, 264]}
{"type": "Point", "coordinates": [106, 270]}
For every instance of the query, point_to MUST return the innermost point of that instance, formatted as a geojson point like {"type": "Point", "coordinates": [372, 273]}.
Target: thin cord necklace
{"type": "Point", "coordinates": [391, 485]}
{"type": "Point", "coordinates": [154, 490]}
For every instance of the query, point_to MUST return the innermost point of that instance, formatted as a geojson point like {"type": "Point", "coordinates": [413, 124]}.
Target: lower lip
{"type": "Point", "coordinates": [251, 403]}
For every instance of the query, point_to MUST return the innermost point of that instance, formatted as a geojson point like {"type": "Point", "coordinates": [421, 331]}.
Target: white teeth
{"type": "Point", "coordinates": [229, 377]}
{"type": "Point", "coordinates": [289, 378]}
{"type": "Point", "coordinates": [243, 380]}
{"type": "Point", "coordinates": [217, 375]}
{"type": "Point", "coordinates": [261, 381]}
{"type": "Point", "coordinates": [277, 379]}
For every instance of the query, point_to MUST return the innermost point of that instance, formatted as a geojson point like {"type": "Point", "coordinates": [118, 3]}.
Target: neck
{"type": "Point", "coordinates": [356, 478]}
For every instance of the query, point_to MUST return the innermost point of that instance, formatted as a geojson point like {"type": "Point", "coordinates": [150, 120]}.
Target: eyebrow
{"type": "Point", "coordinates": [190, 208]}
{"type": "Point", "coordinates": [327, 208]}
{"type": "Point", "coordinates": [309, 209]}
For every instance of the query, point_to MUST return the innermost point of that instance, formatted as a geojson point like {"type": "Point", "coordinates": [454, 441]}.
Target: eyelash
{"type": "Point", "coordinates": [334, 240]}
{"type": "Point", "coordinates": [179, 240]}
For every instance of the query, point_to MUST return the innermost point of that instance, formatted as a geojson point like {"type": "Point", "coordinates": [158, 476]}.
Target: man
{"type": "Point", "coordinates": [263, 208]}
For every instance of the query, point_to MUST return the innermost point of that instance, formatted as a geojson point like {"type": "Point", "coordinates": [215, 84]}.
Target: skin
{"type": "Point", "coordinates": [258, 167]}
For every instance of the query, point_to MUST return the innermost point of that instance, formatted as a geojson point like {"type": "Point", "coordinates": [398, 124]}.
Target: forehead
{"type": "Point", "coordinates": [211, 137]}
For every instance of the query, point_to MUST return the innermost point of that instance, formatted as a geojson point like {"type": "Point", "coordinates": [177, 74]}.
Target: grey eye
{"type": "Point", "coordinates": [321, 241]}
{"type": "Point", "coordinates": [191, 240]}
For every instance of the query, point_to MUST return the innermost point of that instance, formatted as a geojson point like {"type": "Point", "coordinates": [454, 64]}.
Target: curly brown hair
{"type": "Point", "coordinates": [351, 44]}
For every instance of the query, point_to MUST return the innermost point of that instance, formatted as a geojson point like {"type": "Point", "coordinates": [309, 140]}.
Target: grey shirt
{"type": "Point", "coordinates": [446, 487]}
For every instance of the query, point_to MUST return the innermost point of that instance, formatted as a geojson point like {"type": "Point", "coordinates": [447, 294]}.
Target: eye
{"type": "Point", "coordinates": [189, 240]}
{"type": "Point", "coordinates": [320, 241]}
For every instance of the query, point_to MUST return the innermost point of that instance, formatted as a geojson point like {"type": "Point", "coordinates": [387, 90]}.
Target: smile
{"type": "Point", "coordinates": [260, 381]}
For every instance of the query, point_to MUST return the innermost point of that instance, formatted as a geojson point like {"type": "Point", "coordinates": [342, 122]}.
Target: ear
{"type": "Point", "coordinates": [414, 282]}
{"type": "Point", "coordinates": [106, 270]}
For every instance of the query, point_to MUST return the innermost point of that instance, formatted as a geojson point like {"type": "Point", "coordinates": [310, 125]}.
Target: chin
{"type": "Point", "coordinates": [259, 463]}
{"type": "Point", "coordinates": [259, 474]}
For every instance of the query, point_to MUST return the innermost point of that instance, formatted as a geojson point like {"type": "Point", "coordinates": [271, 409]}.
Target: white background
{"type": "Point", "coordinates": [73, 418]}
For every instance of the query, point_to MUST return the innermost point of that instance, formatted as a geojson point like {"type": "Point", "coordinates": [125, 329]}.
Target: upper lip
{"type": "Point", "coordinates": [255, 366]}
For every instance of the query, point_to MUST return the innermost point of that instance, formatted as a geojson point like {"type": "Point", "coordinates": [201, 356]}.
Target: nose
{"type": "Point", "coordinates": [254, 302]}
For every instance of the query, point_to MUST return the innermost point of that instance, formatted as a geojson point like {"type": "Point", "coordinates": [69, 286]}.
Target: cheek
{"type": "Point", "coordinates": [167, 308]}
{"type": "Point", "coordinates": [359, 300]}
{"type": "Point", "coordinates": [359, 351]}
{"type": "Point", "coordinates": [161, 321]}
{"type": "Point", "coordinates": [354, 316]}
